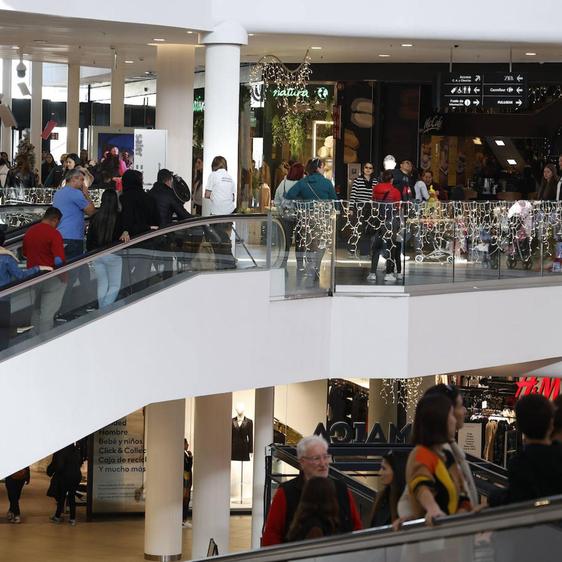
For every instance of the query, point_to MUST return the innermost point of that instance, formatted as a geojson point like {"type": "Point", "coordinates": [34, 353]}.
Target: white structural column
{"type": "Point", "coordinates": [6, 133]}
{"type": "Point", "coordinates": [212, 446]}
{"type": "Point", "coordinates": [174, 105]}
{"type": "Point", "coordinates": [165, 423]}
{"type": "Point", "coordinates": [37, 109]}
{"type": "Point", "coordinates": [263, 437]}
{"type": "Point", "coordinates": [117, 109]}
{"type": "Point", "coordinates": [73, 109]}
{"type": "Point", "coordinates": [222, 92]}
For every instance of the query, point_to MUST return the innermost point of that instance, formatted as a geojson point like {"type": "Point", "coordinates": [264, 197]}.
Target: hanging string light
{"type": "Point", "coordinates": [292, 83]}
{"type": "Point", "coordinates": [402, 391]}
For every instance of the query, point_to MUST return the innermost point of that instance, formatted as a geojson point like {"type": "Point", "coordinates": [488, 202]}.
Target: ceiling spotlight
{"type": "Point", "coordinates": [512, 162]}
{"type": "Point", "coordinates": [499, 142]}
{"type": "Point", "coordinates": [316, 48]}
{"type": "Point", "coordinates": [406, 45]}
{"type": "Point", "coordinates": [190, 32]}
{"type": "Point", "coordinates": [531, 54]}
{"type": "Point", "coordinates": [252, 34]}
{"type": "Point", "coordinates": [159, 40]}
{"type": "Point", "coordinates": [129, 61]}
{"type": "Point", "coordinates": [383, 56]}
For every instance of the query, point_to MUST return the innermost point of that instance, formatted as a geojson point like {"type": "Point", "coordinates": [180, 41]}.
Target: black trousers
{"type": "Point", "coordinates": [70, 493]}
{"type": "Point", "coordinates": [14, 488]}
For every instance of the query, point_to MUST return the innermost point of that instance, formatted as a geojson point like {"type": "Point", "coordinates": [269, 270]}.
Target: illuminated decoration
{"type": "Point", "coordinates": [548, 387]}
{"type": "Point", "coordinates": [290, 85]}
{"type": "Point", "coordinates": [402, 391]}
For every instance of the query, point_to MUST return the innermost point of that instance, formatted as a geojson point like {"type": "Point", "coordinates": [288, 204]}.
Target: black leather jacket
{"type": "Point", "coordinates": [167, 204]}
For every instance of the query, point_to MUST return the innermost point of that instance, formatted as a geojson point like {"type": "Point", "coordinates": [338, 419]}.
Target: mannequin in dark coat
{"type": "Point", "coordinates": [242, 438]}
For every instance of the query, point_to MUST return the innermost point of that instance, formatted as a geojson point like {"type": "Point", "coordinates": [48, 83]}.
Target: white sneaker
{"type": "Point", "coordinates": [17, 519]}
{"type": "Point", "coordinates": [389, 278]}
{"type": "Point", "coordinates": [372, 278]}
{"type": "Point", "coordinates": [399, 276]}
{"type": "Point", "coordinates": [10, 516]}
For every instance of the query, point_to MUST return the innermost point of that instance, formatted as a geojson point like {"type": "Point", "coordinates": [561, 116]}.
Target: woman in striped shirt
{"type": "Point", "coordinates": [362, 188]}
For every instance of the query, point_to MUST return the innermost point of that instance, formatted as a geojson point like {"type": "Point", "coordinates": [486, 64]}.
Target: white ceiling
{"type": "Point", "coordinates": [88, 42]}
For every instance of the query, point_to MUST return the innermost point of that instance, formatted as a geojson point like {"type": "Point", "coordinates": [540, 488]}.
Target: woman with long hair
{"type": "Point", "coordinates": [47, 165]}
{"type": "Point", "coordinates": [435, 483]}
{"type": "Point", "coordinates": [106, 228]}
{"type": "Point", "coordinates": [317, 514]}
{"type": "Point", "coordinates": [547, 189]}
{"type": "Point", "coordinates": [393, 478]}
{"type": "Point", "coordinates": [21, 175]}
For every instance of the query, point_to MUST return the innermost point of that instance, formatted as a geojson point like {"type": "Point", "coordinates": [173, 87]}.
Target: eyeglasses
{"type": "Point", "coordinates": [319, 458]}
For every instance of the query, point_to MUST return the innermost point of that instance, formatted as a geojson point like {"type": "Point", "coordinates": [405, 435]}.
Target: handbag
{"type": "Point", "coordinates": [288, 208]}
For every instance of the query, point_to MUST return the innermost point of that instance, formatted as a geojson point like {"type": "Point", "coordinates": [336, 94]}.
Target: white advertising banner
{"type": "Point", "coordinates": [150, 153]}
{"type": "Point", "coordinates": [117, 473]}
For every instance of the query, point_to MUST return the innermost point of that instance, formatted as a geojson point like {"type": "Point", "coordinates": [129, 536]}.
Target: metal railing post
{"type": "Point", "coordinates": [269, 238]}
{"type": "Point", "coordinates": [334, 219]}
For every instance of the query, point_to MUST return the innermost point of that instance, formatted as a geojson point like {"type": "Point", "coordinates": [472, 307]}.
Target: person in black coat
{"type": "Point", "coordinates": [167, 203]}
{"type": "Point", "coordinates": [66, 475]}
{"type": "Point", "coordinates": [139, 216]}
{"type": "Point", "coordinates": [535, 472]}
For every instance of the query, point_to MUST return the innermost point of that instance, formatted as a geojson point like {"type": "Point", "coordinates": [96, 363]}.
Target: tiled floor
{"type": "Point", "coordinates": [115, 540]}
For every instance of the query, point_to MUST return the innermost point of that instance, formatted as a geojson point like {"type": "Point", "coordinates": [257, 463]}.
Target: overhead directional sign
{"type": "Point", "coordinates": [505, 89]}
{"type": "Point", "coordinates": [461, 90]}
{"type": "Point", "coordinates": [495, 89]}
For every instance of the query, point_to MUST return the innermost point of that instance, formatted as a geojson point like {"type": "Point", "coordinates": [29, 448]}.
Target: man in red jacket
{"type": "Point", "coordinates": [43, 246]}
{"type": "Point", "coordinates": [314, 460]}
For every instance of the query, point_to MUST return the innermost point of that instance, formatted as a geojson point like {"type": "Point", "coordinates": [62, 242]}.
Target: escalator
{"type": "Point", "coordinates": [149, 263]}
{"type": "Point", "coordinates": [517, 533]}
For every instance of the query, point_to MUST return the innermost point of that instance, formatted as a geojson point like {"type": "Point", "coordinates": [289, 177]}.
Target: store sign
{"type": "Point", "coordinates": [117, 471]}
{"type": "Point", "coordinates": [342, 432]}
{"type": "Point", "coordinates": [470, 439]}
{"type": "Point", "coordinates": [198, 105]}
{"type": "Point", "coordinates": [549, 387]}
{"type": "Point", "coordinates": [432, 124]}
{"type": "Point", "coordinates": [492, 89]}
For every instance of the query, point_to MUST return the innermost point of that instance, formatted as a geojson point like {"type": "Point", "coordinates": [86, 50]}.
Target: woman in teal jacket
{"type": "Point", "coordinates": [313, 187]}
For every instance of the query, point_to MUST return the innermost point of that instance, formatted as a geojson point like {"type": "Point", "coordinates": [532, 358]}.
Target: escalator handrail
{"type": "Point", "coordinates": [494, 519]}
{"type": "Point", "coordinates": [191, 222]}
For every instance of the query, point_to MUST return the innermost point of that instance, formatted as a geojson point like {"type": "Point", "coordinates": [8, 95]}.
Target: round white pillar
{"type": "Point", "coordinates": [165, 423]}
{"type": "Point", "coordinates": [263, 437]}
{"type": "Point", "coordinates": [6, 132]}
{"type": "Point", "coordinates": [73, 109]}
{"type": "Point", "coordinates": [174, 105]}
{"type": "Point", "coordinates": [36, 110]}
{"type": "Point", "coordinates": [212, 446]}
{"type": "Point", "coordinates": [222, 93]}
{"type": "Point", "coordinates": [117, 108]}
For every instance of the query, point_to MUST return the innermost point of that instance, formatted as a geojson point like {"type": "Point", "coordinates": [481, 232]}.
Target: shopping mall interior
{"type": "Point", "coordinates": [233, 334]}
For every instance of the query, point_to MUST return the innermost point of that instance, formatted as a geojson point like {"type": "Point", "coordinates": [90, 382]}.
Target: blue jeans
{"type": "Point", "coordinates": [108, 274]}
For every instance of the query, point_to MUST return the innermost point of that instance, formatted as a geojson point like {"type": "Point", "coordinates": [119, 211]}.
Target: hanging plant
{"type": "Point", "coordinates": [295, 127]}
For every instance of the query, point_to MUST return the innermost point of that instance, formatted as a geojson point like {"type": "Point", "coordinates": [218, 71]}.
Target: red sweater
{"type": "Point", "coordinates": [42, 244]}
{"type": "Point", "coordinates": [386, 193]}
{"type": "Point", "coordinates": [274, 531]}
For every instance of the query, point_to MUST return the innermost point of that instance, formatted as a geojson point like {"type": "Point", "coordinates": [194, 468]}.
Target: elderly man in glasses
{"type": "Point", "coordinates": [314, 459]}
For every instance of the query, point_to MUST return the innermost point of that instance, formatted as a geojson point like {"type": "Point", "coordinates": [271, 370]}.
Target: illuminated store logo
{"type": "Point", "coordinates": [198, 105]}
{"type": "Point", "coordinates": [320, 93]}
{"type": "Point", "coordinates": [534, 385]}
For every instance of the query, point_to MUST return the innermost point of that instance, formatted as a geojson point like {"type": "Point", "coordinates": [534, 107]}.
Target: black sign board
{"type": "Point", "coordinates": [505, 89]}
{"type": "Point", "coordinates": [461, 90]}
{"type": "Point", "coordinates": [494, 89]}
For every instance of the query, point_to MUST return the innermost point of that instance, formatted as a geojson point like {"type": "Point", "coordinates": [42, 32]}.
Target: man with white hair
{"type": "Point", "coordinates": [314, 460]}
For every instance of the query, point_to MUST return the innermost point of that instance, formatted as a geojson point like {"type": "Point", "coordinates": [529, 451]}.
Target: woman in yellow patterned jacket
{"type": "Point", "coordinates": [435, 482]}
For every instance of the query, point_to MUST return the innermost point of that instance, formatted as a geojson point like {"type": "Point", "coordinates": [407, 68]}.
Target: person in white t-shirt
{"type": "Point", "coordinates": [220, 188]}
{"type": "Point", "coordinates": [221, 191]}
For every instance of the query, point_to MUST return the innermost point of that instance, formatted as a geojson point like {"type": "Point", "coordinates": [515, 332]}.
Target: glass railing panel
{"type": "Point", "coordinates": [98, 283]}
{"type": "Point", "coordinates": [305, 268]}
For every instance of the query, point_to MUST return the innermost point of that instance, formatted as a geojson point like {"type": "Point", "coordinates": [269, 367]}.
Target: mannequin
{"type": "Point", "coordinates": [242, 435]}
{"type": "Point", "coordinates": [242, 441]}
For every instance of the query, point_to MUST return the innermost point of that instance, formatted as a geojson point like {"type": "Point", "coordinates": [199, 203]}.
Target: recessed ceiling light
{"type": "Point", "coordinates": [252, 34]}
{"type": "Point", "coordinates": [383, 56]}
{"type": "Point", "coordinates": [512, 162]}
{"type": "Point", "coordinates": [499, 142]}
{"type": "Point", "coordinates": [531, 54]}
{"type": "Point", "coordinates": [159, 40]}
{"type": "Point", "coordinates": [316, 48]}
{"type": "Point", "coordinates": [189, 32]}
{"type": "Point", "coordinates": [129, 61]}
{"type": "Point", "coordinates": [15, 47]}
{"type": "Point", "coordinates": [406, 45]}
